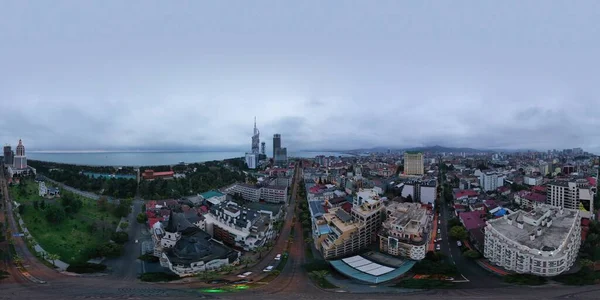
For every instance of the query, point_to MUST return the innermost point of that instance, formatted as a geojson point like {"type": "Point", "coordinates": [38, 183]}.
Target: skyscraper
{"type": "Point", "coordinates": [8, 155]}
{"type": "Point", "coordinates": [252, 157]}
{"type": "Point", "coordinates": [276, 143]}
{"type": "Point", "coordinates": [263, 149]}
{"type": "Point", "coordinates": [279, 154]}
{"type": "Point", "coordinates": [20, 160]}
{"type": "Point", "coordinates": [255, 139]}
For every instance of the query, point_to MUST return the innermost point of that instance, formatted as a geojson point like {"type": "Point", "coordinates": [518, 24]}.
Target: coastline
{"type": "Point", "coordinates": [149, 158]}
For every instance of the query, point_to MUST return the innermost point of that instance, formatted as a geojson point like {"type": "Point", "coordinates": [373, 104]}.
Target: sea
{"type": "Point", "coordinates": [147, 158]}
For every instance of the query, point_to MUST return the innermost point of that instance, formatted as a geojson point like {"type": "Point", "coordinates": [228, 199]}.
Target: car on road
{"type": "Point", "coordinates": [242, 281]}
{"type": "Point", "coordinates": [458, 243]}
{"type": "Point", "coordinates": [439, 231]}
{"type": "Point", "coordinates": [437, 247]}
{"type": "Point", "coordinates": [136, 241]}
{"type": "Point", "coordinates": [218, 281]}
{"type": "Point", "coordinates": [268, 269]}
{"type": "Point", "coordinates": [278, 257]}
{"type": "Point", "coordinates": [439, 239]}
{"type": "Point", "coordinates": [244, 275]}
{"type": "Point", "coordinates": [439, 221]}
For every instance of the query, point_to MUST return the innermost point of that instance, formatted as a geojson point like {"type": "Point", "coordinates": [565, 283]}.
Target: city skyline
{"type": "Point", "coordinates": [169, 76]}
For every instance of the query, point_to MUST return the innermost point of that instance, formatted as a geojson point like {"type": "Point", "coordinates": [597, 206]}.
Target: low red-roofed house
{"type": "Point", "coordinates": [151, 175]}
{"type": "Point", "coordinates": [458, 208]}
{"type": "Point", "coordinates": [532, 200]}
{"type": "Point", "coordinates": [465, 195]}
{"type": "Point", "coordinates": [539, 189]}
{"type": "Point", "coordinates": [490, 204]}
{"type": "Point", "coordinates": [152, 221]}
{"type": "Point", "coordinates": [472, 219]}
{"type": "Point", "coordinates": [504, 190]}
{"type": "Point", "coordinates": [347, 207]}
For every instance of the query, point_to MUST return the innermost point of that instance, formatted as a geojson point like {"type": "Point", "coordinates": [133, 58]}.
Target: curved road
{"type": "Point", "coordinates": [292, 283]}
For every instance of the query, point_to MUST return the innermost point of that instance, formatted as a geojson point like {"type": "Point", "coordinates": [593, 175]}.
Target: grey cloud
{"type": "Point", "coordinates": [324, 74]}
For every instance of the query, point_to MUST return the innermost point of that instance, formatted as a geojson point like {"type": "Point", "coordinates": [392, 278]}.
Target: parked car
{"type": "Point", "coordinates": [268, 269]}
{"type": "Point", "coordinates": [244, 275]}
{"type": "Point", "coordinates": [439, 231]}
{"type": "Point", "coordinates": [278, 257]}
{"type": "Point", "coordinates": [437, 247]}
{"type": "Point", "coordinates": [458, 243]}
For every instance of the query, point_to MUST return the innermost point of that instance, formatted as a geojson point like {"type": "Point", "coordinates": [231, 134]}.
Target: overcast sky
{"type": "Point", "coordinates": [324, 74]}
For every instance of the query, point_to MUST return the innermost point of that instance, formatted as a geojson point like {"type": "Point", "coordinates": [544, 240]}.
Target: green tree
{"type": "Point", "coordinates": [260, 250]}
{"type": "Point", "coordinates": [110, 250]}
{"type": "Point", "coordinates": [53, 257]}
{"type": "Point", "coordinates": [21, 209]}
{"type": "Point", "coordinates": [459, 233]}
{"type": "Point", "coordinates": [120, 237]}
{"type": "Point", "coordinates": [141, 218]}
{"type": "Point", "coordinates": [43, 204]}
{"type": "Point", "coordinates": [586, 263]}
{"type": "Point", "coordinates": [123, 225]}
{"type": "Point", "coordinates": [36, 204]}
{"type": "Point", "coordinates": [246, 261]}
{"type": "Point", "coordinates": [102, 203]}
{"type": "Point", "coordinates": [55, 214]}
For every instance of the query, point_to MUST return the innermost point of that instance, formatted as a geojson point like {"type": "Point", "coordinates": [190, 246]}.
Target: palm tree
{"type": "Point", "coordinates": [17, 259]}
{"type": "Point", "coordinates": [320, 275]}
{"type": "Point", "coordinates": [53, 258]}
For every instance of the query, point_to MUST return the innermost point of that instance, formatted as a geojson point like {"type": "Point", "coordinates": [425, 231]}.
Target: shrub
{"type": "Point", "coordinates": [148, 258]}
{"type": "Point", "coordinates": [120, 237]}
{"type": "Point", "coordinates": [55, 214]}
{"type": "Point", "coordinates": [110, 250]}
{"type": "Point", "coordinates": [86, 267]}
{"type": "Point", "coordinates": [524, 279]}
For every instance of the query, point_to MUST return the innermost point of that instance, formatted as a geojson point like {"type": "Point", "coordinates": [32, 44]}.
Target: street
{"type": "Point", "coordinates": [36, 271]}
{"type": "Point", "coordinates": [471, 271]}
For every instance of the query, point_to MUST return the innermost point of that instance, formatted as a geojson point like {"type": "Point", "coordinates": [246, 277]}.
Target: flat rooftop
{"type": "Point", "coordinates": [551, 237]}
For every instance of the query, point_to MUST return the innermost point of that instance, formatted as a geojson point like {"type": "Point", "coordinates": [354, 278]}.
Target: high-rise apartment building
{"type": "Point", "coordinates": [348, 233]}
{"type": "Point", "coordinates": [406, 230]}
{"type": "Point", "coordinates": [573, 194]}
{"type": "Point", "coordinates": [490, 181]}
{"type": "Point", "coordinates": [413, 163]}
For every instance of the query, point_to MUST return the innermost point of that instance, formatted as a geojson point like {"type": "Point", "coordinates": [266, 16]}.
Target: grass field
{"type": "Point", "coordinates": [72, 240]}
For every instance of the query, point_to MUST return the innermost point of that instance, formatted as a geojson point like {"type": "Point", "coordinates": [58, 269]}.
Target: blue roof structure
{"type": "Point", "coordinates": [501, 212]}
{"type": "Point", "coordinates": [210, 194]}
{"type": "Point", "coordinates": [316, 208]}
{"type": "Point", "coordinates": [359, 268]}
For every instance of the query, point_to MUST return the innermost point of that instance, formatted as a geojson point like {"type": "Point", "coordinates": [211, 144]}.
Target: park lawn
{"type": "Point", "coordinates": [72, 239]}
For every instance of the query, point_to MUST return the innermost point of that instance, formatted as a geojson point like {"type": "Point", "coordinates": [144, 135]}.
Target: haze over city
{"type": "Point", "coordinates": [323, 74]}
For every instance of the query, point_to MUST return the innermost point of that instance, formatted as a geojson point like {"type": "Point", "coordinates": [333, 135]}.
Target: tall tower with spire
{"type": "Point", "coordinates": [20, 160]}
{"type": "Point", "coordinates": [255, 140]}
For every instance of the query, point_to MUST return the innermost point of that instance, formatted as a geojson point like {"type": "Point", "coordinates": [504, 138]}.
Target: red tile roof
{"type": "Point", "coordinates": [535, 197]}
{"type": "Point", "coordinates": [347, 207]}
{"type": "Point", "coordinates": [467, 193]}
{"type": "Point", "coordinates": [539, 188]}
{"type": "Point", "coordinates": [472, 219]}
{"type": "Point", "coordinates": [152, 221]}
{"type": "Point", "coordinates": [592, 181]}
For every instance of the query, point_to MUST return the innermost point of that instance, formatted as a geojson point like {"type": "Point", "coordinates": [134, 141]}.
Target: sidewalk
{"type": "Point", "coordinates": [489, 267]}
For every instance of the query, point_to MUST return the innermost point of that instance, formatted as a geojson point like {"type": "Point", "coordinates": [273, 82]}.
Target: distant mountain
{"type": "Point", "coordinates": [439, 149]}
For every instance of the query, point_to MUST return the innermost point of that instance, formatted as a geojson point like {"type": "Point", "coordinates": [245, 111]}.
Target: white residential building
{"type": "Point", "coordinates": [187, 250]}
{"type": "Point", "coordinates": [543, 242]}
{"type": "Point", "coordinates": [489, 181]}
{"type": "Point", "coordinates": [573, 194]}
{"type": "Point", "coordinates": [239, 227]}
{"type": "Point", "coordinates": [530, 180]}
{"type": "Point", "coordinates": [406, 230]}
{"type": "Point", "coordinates": [272, 193]}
